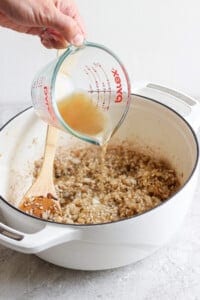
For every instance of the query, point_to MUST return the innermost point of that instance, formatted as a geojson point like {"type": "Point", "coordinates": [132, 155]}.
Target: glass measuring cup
{"type": "Point", "coordinates": [92, 70]}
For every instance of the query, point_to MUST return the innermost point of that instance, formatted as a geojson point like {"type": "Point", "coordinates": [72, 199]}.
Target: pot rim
{"type": "Point", "coordinates": [124, 219]}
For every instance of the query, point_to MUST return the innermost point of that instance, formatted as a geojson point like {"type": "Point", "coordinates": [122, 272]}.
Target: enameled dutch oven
{"type": "Point", "coordinates": [159, 119]}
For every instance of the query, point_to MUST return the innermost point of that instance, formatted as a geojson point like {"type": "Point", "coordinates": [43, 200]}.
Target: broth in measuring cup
{"type": "Point", "coordinates": [80, 113]}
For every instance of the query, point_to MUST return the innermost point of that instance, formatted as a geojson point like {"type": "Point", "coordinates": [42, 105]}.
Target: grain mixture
{"type": "Point", "coordinates": [128, 183]}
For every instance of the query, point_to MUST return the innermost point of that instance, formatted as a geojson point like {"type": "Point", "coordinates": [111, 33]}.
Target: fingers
{"type": "Point", "coordinates": [53, 44]}
{"type": "Point", "coordinates": [68, 28]}
{"type": "Point", "coordinates": [53, 39]}
{"type": "Point", "coordinates": [80, 23]}
{"type": "Point", "coordinates": [70, 9]}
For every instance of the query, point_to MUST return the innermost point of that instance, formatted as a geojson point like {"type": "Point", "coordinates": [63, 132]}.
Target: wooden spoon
{"type": "Point", "coordinates": [41, 196]}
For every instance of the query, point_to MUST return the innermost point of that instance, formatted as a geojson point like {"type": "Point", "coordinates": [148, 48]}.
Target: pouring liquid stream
{"type": "Point", "coordinates": [80, 113]}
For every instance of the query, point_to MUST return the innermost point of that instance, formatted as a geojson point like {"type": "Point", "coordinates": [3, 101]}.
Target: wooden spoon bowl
{"type": "Point", "coordinates": [41, 196]}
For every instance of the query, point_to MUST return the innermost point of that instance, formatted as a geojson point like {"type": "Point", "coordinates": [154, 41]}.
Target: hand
{"type": "Point", "coordinates": [56, 22]}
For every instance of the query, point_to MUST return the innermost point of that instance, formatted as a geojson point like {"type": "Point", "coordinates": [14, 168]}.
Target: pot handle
{"type": "Point", "coordinates": [33, 243]}
{"type": "Point", "coordinates": [186, 106]}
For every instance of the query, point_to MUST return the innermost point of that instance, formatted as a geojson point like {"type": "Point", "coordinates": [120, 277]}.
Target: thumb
{"type": "Point", "coordinates": [69, 28]}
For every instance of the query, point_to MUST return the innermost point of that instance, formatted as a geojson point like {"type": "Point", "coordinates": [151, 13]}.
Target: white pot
{"type": "Point", "coordinates": [95, 247]}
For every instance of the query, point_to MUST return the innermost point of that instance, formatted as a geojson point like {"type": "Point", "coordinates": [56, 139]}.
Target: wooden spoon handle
{"type": "Point", "coordinates": [50, 149]}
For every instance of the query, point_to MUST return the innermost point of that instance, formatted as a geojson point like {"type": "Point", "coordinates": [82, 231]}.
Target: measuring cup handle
{"type": "Point", "coordinates": [186, 106]}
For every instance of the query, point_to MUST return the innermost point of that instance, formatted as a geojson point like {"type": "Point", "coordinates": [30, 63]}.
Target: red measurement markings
{"type": "Point", "coordinates": [97, 81]}
{"type": "Point", "coordinates": [90, 89]}
{"type": "Point", "coordinates": [93, 80]}
{"type": "Point", "coordinates": [100, 97]}
{"type": "Point", "coordinates": [106, 87]}
{"type": "Point", "coordinates": [48, 102]}
{"type": "Point", "coordinates": [38, 83]}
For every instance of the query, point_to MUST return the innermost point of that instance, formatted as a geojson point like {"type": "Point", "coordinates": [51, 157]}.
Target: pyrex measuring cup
{"type": "Point", "coordinates": [91, 69]}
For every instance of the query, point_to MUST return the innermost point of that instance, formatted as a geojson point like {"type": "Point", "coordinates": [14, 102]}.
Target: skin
{"type": "Point", "coordinates": [57, 22]}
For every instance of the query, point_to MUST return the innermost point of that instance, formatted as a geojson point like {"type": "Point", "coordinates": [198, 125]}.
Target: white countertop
{"type": "Point", "coordinates": [173, 272]}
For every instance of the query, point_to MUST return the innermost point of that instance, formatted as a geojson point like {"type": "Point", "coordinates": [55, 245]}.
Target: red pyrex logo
{"type": "Point", "coordinates": [117, 79]}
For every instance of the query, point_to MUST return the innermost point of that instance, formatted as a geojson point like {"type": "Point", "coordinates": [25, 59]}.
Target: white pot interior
{"type": "Point", "coordinates": [151, 126]}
